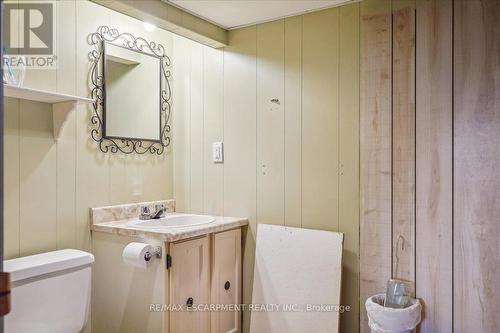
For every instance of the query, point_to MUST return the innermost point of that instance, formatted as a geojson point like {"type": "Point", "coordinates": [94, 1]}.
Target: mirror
{"type": "Point", "coordinates": [132, 108]}
{"type": "Point", "coordinates": [130, 83]}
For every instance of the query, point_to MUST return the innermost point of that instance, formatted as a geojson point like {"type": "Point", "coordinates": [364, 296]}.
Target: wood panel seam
{"type": "Point", "coordinates": [284, 122]}
{"type": "Point", "coordinates": [453, 166]}
{"type": "Point", "coordinates": [392, 137]}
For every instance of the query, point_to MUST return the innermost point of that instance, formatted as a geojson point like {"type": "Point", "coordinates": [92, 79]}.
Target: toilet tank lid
{"type": "Point", "coordinates": [44, 263]}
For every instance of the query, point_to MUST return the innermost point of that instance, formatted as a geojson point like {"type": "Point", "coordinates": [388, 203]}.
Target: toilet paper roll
{"type": "Point", "coordinates": [133, 254]}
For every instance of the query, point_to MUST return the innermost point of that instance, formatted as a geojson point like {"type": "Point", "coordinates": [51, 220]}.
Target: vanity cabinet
{"type": "Point", "coordinates": [198, 265]}
{"type": "Point", "coordinates": [205, 271]}
{"type": "Point", "coordinates": [226, 280]}
{"type": "Point", "coordinates": [190, 285]}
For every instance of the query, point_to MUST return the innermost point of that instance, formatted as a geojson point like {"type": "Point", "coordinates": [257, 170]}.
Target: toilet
{"type": "Point", "coordinates": [50, 292]}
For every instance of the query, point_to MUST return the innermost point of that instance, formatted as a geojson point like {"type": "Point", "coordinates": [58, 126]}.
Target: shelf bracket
{"type": "Point", "coordinates": [60, 112]}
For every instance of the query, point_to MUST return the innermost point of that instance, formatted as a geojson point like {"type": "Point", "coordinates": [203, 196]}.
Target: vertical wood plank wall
{"type": "Point", "coordinates": [293, 162]}
{"type": "Point", "coordinates": [434, 164]}
{"type": "Point", "coordinates": [476, 192]}
{"type": "Point", "coordinates": [375, 151]}
{"type": "Point", "coordinates": [443, 201]}
{"type": "Point", "coordinates": [403, 140]}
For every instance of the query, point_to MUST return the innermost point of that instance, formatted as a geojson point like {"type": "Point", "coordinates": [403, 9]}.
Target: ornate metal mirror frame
{"type": "Point", "coordinates": [97, 56]}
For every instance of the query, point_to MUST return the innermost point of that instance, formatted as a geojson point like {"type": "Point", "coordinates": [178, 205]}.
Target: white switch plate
{"type": "Point", "coordinates": [217, 152]}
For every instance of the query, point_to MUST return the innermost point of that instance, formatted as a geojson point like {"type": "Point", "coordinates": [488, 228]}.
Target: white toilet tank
{"type": "Point", "coordinates": [50, 292]}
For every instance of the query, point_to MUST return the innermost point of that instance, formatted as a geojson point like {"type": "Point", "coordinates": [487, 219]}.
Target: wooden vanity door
{"type": "Point", "coordinates": [226, 280]}
{"type": "Point", "coordinates": [190, 283]}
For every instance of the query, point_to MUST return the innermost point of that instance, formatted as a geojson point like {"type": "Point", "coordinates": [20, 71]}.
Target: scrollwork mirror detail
{"type": "Point", "coordinates": [97, 56]}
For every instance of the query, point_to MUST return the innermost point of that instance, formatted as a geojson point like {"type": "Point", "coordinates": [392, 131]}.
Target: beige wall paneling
{"type": "Point", "coordinates": [349, 162]}
{"type": "Point", "coordinates": [197, 131]}
{"type": "Point", "coordinates": [293, 121]}
{"type": "Point", "coordinates": [11, 178]}
{"type": "Point", "coordinates": [66, 145]}
{"type": "Point", "coordinates": [157, 176]}
{"type": "Point", "coordinates": [37, 168]}
{"type": "Point", "coordinates": [403, 138]}
{"type": "Point", "coordinates": [375, 150]}
{"type": "Point", "coordinates": [148, 177]}
{"type": "Point", "coordinates": [320, 120]}
{"type": "Point", "coordinates": [434, 164]}
{"type": "Point", "coordinates": [37, 171]}
{"type": "Point", "coordinates": [92, 173]}
{"type": "Point", "coordinates": [213, 85]}
{"type": "Point", "coordinates": [270, 123]}
{"type": "Point", "coordinates": [117, 175]}
{"type": "Point", "coordinates": [115, 311]}
{"type": "Point", "coordinates": [240, 143]}
{"type": "Point", "coordinates": [476, 156]}
{"type": "Point", "coordinates": [181, 121]}
{"type": "Point", "coordinates": [136, 169]}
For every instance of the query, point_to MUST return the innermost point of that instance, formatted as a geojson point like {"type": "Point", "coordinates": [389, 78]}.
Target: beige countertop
{"type": "Point", "coordinates": [169, 234]}
{"type": "Point", "coordinates": [116, 220]}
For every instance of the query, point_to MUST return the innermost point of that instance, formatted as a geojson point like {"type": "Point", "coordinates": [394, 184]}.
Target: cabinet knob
{"type": "Point", "coordinates": [189, 302]}
{"type": "Point", "coordinates": [227, 285]}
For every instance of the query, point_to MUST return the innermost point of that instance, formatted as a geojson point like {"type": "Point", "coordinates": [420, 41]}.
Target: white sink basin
{"type": "Point", "coordinates": [174, 220]}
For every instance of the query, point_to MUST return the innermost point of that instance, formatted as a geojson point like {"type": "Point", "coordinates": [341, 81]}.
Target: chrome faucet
{"type": "Point", "coordinates": [147, 215]}
{"type": "Point", "coordinates": [160, 210]}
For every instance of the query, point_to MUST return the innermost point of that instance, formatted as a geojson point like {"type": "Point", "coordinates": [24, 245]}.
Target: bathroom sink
{"type": "Point", "coordinates": [174, 220]}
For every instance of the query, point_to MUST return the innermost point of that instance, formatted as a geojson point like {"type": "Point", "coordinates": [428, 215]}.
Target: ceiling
{"type": "Point", "coordinates": [231, 14]}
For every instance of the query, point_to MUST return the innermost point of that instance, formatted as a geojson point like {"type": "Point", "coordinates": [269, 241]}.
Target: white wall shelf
{"type": "Point", "coordinates": [41, 95]}
{"type": "Point", "coordinates": [62, 104]}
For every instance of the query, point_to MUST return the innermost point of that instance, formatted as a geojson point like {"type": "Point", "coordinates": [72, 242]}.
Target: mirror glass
{"type": "Point", "coordinates": [132, 95]}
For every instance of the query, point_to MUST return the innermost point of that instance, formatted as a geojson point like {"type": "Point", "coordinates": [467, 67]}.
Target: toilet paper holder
{"type": "Point", "coordinates": [156, 253]}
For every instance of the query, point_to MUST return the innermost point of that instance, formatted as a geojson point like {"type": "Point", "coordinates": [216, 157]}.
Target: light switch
{"type": "Point", "coordinates": [217, 152]}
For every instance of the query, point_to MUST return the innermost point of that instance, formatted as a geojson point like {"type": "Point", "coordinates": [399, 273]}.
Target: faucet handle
{"type": "Point", "coordinates": [161, 207]}
{"type": "Point", "coordinates": [145, 213]}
